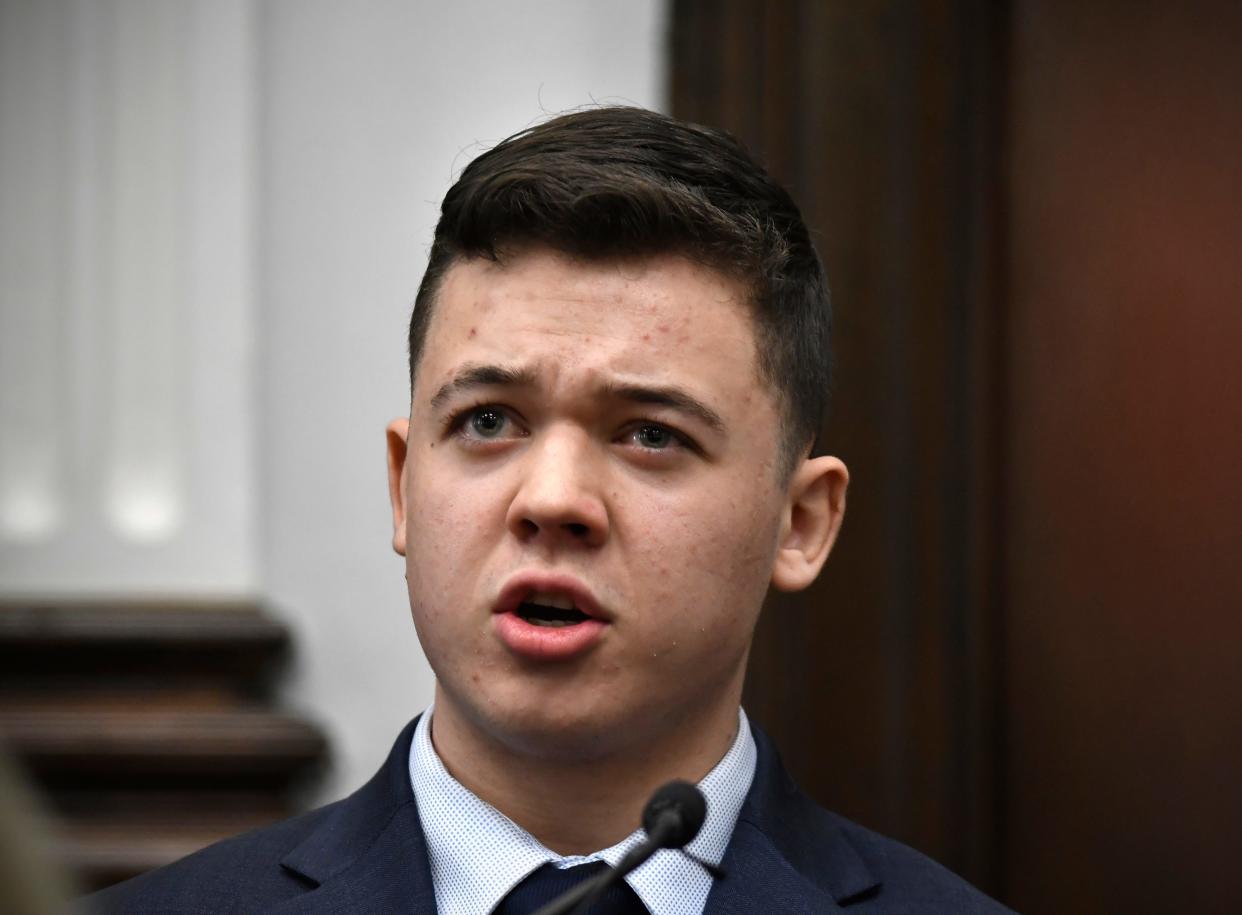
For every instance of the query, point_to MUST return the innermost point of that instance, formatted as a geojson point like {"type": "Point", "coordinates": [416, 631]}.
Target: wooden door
{"type": "Point", "coordinates": [1025, 657]}
{"type": "Point", "coordinates": [1123, 550]}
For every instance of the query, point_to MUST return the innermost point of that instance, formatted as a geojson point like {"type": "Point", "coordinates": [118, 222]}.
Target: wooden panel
{"type": "Point", "coordinates": [135, 744]}
{"type": "Point", "coordinates": [1124, 669]}
{"type": "Point", "coordinates": [148, 726]}
{"type": "Point", "coordinates": [880, 117]}
{"type": "Point", "coordinates": [226, 644]}
{"type": "Point", "coordinates": [1043, 514]}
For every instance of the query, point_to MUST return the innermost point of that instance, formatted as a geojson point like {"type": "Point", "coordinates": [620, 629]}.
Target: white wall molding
{"type": "Point", "coordinates": [213, 219]}
{"type": "Point", "coordinates": [127, 156]}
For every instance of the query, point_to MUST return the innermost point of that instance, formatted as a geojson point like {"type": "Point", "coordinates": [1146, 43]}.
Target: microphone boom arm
{"type": "Point", "coordinates": [671, 819]}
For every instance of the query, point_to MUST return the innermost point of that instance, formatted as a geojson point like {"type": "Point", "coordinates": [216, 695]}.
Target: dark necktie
{"type": "Point", "coordinates": [548, 882]}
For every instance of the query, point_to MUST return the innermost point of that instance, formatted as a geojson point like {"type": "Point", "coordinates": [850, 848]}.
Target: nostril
{"type": "Point", "coordinates": [577, 530]}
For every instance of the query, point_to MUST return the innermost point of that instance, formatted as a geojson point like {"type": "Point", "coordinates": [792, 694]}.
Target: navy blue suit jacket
{"type": "Point", "coordinates": [367, 854]}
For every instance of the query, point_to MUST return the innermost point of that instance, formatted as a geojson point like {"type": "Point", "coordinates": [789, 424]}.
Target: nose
{"type": "Point", "coordinates": [559, 498]}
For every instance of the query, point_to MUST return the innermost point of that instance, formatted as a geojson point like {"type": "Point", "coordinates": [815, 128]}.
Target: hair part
{"type": "Point", "coordinates": [618, 183]}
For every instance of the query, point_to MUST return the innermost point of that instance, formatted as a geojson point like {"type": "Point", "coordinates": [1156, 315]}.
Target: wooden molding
{"type": "Point", "coordinates": [149, 727]}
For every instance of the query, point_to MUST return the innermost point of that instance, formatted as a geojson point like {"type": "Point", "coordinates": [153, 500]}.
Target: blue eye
{"type": "Point", "coordinates": [487, 422]}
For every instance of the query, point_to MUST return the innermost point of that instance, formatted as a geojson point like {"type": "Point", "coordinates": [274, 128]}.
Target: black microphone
{"type": "Point", "coordinates": [671, 819]}
{"type": "Point", "coordinates": [674, 815]}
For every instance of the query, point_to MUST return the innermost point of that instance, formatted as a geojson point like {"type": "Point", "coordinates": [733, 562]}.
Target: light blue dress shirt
{"type": "Point", "coordinates": [478, 855]}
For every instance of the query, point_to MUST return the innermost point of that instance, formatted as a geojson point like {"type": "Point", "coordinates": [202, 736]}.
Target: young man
{"type": "Point", "coordinates": [619, 362]}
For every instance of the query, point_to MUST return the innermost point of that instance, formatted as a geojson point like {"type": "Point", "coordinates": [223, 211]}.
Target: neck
{"type": "Point", "coordinates": [574, 807]}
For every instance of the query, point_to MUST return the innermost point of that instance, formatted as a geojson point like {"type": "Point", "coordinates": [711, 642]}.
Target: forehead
{"type": "Point", "coordinates": [666, 317]}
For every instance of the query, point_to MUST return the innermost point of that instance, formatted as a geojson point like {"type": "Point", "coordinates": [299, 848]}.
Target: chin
{"type": "Point", "coordinates": [569, 732]}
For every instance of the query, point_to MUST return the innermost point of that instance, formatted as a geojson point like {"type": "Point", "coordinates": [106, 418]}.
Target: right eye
{"type": "Point", "coordinates": [484, 423]}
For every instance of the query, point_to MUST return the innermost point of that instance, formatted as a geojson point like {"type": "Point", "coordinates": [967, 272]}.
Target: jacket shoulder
{"type": "Point", "coordinates": [909, 881]}
{"type": "Point", "coordinates": [234, 875]}
{"type": "Point", "coordinates": [860, 870]}
{"type": "Point", "coordinates": [262, 869]}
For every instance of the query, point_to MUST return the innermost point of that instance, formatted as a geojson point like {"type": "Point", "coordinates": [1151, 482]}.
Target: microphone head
{"type": "Point", "coordinates": [680, 808]}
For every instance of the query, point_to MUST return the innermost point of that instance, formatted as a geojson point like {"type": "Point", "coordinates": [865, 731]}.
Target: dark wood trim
{"type": "Point", "coordinates": [885, 121]}
{"type": "Point", "coordinates": [137, 743]}
{"type": "Point", "coordinates": [148, 726]}
{"type": "Point", "coordinates": [228, 643]}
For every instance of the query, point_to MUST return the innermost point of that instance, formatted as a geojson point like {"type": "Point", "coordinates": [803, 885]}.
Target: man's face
{"type": "Point", "coordinates": [588, 499]}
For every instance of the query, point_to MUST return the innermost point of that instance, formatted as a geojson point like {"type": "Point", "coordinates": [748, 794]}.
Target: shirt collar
{"type": "Point", "coordinates": [477, 854]}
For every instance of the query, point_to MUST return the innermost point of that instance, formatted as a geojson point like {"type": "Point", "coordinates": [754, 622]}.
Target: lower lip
{"type": "Point", "coordinates": [547, 643]}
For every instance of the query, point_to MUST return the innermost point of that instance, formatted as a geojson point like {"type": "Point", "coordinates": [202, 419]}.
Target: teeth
{"type": "Point", "coordinates": [546, 599]}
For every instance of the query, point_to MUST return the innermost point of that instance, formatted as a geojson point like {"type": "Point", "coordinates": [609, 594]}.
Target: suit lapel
{"type": "Point", "coordinates": [786, 854]}
{"type": "Point", "coordinates": [368, 854]}
{"type": "Point", "coordinates": [760, 879]}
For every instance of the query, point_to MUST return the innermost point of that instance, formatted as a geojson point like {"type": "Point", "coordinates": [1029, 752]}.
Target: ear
{"type": "Point", "coordinates": [398, 434]}
{"type": "Point", "coordinates": [813, 517]}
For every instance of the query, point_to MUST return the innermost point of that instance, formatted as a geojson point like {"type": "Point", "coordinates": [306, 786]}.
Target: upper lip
{"type": "Point", "coordinates": [522, 585]}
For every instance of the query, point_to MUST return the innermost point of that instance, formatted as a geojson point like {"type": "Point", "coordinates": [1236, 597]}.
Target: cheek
{"type": "Point", "coordinates": [443, 529]}
{"type": "Point", "coordinates": [711, 561]}
{"type": "Point", "coordinates": [731, 537]}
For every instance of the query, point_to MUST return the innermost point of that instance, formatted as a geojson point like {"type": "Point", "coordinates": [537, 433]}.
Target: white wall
{"type": "Point", "coordinates": [370, 110]}
{"type": "Point", "coordinates": [214, 216]}
{"type": "Point", "coordinates": [127, 204]}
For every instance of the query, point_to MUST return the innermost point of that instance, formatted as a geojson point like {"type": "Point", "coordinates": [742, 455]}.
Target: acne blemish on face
{"type": "Point", "coordinates": [474, 332]}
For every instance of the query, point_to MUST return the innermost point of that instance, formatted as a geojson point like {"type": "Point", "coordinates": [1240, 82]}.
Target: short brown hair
{"type": "Point", "coordinates": [619, 182]}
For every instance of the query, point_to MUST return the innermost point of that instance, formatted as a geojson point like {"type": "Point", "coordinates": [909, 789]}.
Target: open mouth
{"type": "Point", "coordinates": [549, 618]}
{"type": "Point", "coordinates": [553, 616]}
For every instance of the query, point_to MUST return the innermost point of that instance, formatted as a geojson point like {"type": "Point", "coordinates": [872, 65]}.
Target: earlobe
{"type": "Point", "coordinates": [813, 517]}
{"type": "Point", "coordinates": [398, 435]}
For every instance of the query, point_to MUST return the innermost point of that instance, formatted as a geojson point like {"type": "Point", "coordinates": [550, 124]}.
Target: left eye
{"type": "Point", "coordinates": [488, 422]}
{"type": "Point", "coordinates": [654, 437]}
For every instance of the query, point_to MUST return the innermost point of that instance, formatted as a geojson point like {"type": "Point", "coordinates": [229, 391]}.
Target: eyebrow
{"type": "Point", "coordinates": [480, 376]}
{"type": "Point", "coordinates": [676, 398]}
